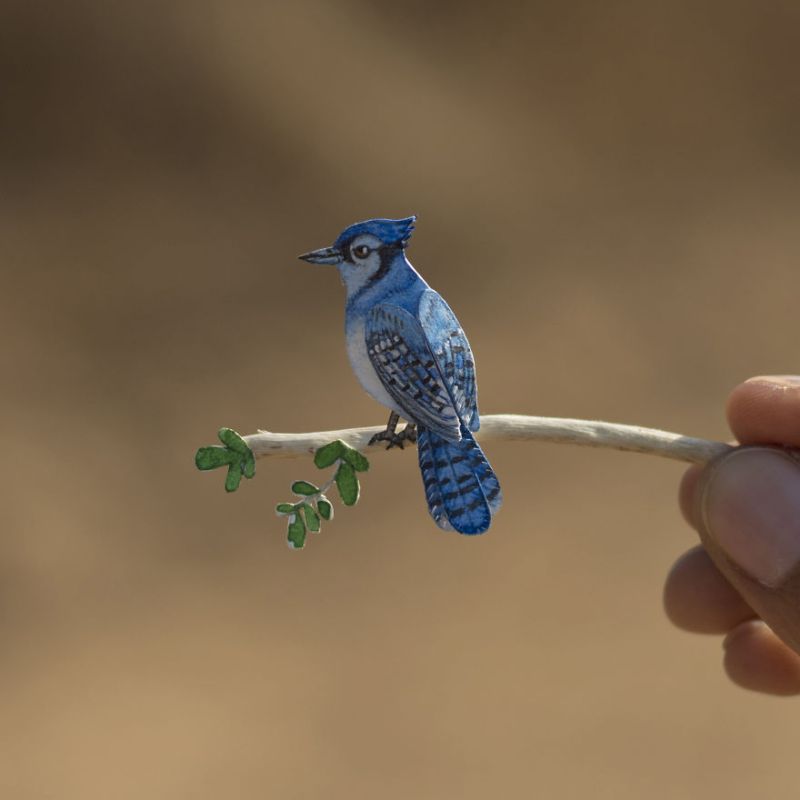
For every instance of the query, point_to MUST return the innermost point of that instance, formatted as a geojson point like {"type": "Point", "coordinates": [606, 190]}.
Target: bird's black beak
{"type": "Point", "coordinates": [325, 255]}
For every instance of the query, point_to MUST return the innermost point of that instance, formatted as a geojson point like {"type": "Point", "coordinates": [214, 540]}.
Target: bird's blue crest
{"type": "Point", "coordinates": [390, 231]}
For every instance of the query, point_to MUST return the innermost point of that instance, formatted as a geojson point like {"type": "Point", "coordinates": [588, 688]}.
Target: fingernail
{"type": "Point", "coordinates": [750, 506]}
{"type": "Point", "coordinates": [787, 381]}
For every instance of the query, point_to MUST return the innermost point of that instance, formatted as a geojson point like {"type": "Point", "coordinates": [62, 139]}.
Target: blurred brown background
{"type": "Point", "coordinates": [607, 195]}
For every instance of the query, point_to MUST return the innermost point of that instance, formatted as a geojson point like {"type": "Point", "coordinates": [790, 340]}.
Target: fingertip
{"type": "Point", "coordinates": [756, 659]}
{"type": "Point", "coordinates": [765, 410]}
{"type": "Point", "coordinates": [697, 597]}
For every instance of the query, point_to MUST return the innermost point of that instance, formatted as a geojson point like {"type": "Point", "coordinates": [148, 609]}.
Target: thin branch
{"type": "Point", "coordinates": [513, 427]}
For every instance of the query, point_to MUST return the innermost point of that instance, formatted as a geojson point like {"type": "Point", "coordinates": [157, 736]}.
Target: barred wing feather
{"type": "Point", "coordinates": [452, 352]}
{"type": "Point", "coordinates": [401, 355]}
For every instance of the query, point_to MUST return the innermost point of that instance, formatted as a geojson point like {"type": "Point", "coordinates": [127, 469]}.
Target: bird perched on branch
{"type": "Point", "coordinates": [409, 352]}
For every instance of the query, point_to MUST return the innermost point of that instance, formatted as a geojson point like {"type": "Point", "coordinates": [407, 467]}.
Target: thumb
{"type": "Point", "coordinates": [749, 521]}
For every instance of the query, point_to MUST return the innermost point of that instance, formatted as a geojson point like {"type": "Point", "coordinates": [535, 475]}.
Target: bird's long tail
{"type": "Point", "coordinates": [462, 490]}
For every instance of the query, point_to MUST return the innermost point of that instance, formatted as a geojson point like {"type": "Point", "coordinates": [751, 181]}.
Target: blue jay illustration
{"type": "Point", "coordinates": [409, 352]}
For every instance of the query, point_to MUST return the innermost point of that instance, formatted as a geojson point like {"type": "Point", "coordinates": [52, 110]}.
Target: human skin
{"type": "Point", "coordinates": [743, 581]}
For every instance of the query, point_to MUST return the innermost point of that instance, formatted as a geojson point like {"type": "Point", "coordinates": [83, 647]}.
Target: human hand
{"type": "Point", "coordinates": [744, 581]}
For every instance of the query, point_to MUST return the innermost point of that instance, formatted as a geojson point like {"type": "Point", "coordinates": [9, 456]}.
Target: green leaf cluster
{"type": "Point", "coordinates": [306, 515]}
{"type": "Point", "coordinates": [235, 455]}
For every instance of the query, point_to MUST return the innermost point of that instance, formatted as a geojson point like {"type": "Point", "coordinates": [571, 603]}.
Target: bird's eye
{"type": "Point", "coordinates": [362, 251]}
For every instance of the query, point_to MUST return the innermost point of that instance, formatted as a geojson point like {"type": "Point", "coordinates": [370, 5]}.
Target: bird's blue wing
{"type": "Point", "coordinates": [402, 356]}
{"type": "Point", "coordinates": [452, 352]}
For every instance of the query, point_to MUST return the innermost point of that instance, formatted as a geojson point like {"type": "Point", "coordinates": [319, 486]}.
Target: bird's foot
{"type": "Point", "coordinates": [408, 434]}
{"type": "Point", "coordinates": [395, 439]}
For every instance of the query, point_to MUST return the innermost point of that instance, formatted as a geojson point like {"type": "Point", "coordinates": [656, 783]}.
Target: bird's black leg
{"type": "Point", "coordinates": [409, 433]}
{"type": "Point", "coordinates": [390, 435]}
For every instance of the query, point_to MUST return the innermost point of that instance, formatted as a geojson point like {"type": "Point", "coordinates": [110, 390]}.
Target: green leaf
{"type": "Point", "coordinates": [249, 465]}
{"type": "Point", "coordinates": [285, 508]}
{"type": "Point", "coordinates": [236, 455]}
{"type": "Point", "coordinates": [347, 484]}
{"type": "Point", "coordinates": [330, 453]}
{"type": "Point", "coordinates": [325, 509]}
{"type": "Point", "coordinates": [304, 488]}
{"type": "Point", "coordinates": [296, 534]}
{"type": "Point", "coordinates": [312, 518]}
{"type": "Point", "coordinates": [231, 439]}
{"type": "Point", "coordinates": [213, 457]}
{"type": "Point", "coordinates": [355, 459]}
{"type": "Point", "coordinates": [233, 477]}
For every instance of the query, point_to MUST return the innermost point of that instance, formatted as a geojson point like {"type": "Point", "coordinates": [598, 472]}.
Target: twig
{"type": "Point", "coordinates": [513, 427]}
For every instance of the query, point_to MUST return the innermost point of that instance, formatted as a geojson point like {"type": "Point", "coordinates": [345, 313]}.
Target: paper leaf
{"type": "Point", "coordinates": [356, 460]}
{"type": "Point", "coordinates": [213, 456]}
{"type": "Point", "coordinates": [233, 477]}
{"type": "Point", "coordinates": [312, 518]}
{"type": "Point", "coordinates": [325, 509]}
{"type": "Point", "coordinates": [347, 484]}
{"type": "Point", "coordinates": [231, 439]}
{"type": "Point", "coordinates": [329, 454]}
{"type": "Point", "coordinates": [304, 488]}
{"type": "Point", "coordinates": [296, 534]}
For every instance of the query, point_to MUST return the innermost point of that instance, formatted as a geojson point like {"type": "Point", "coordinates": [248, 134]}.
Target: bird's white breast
{"type": "Point", "coordinates": [362, 366]}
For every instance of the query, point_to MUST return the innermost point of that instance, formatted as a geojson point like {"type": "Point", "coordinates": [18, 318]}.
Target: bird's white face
{"type": "Point", "coordinates": [362, 260]}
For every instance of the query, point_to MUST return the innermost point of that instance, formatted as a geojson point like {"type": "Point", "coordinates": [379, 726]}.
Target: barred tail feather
{"type": "Point", "coordinates": [462, 491]}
